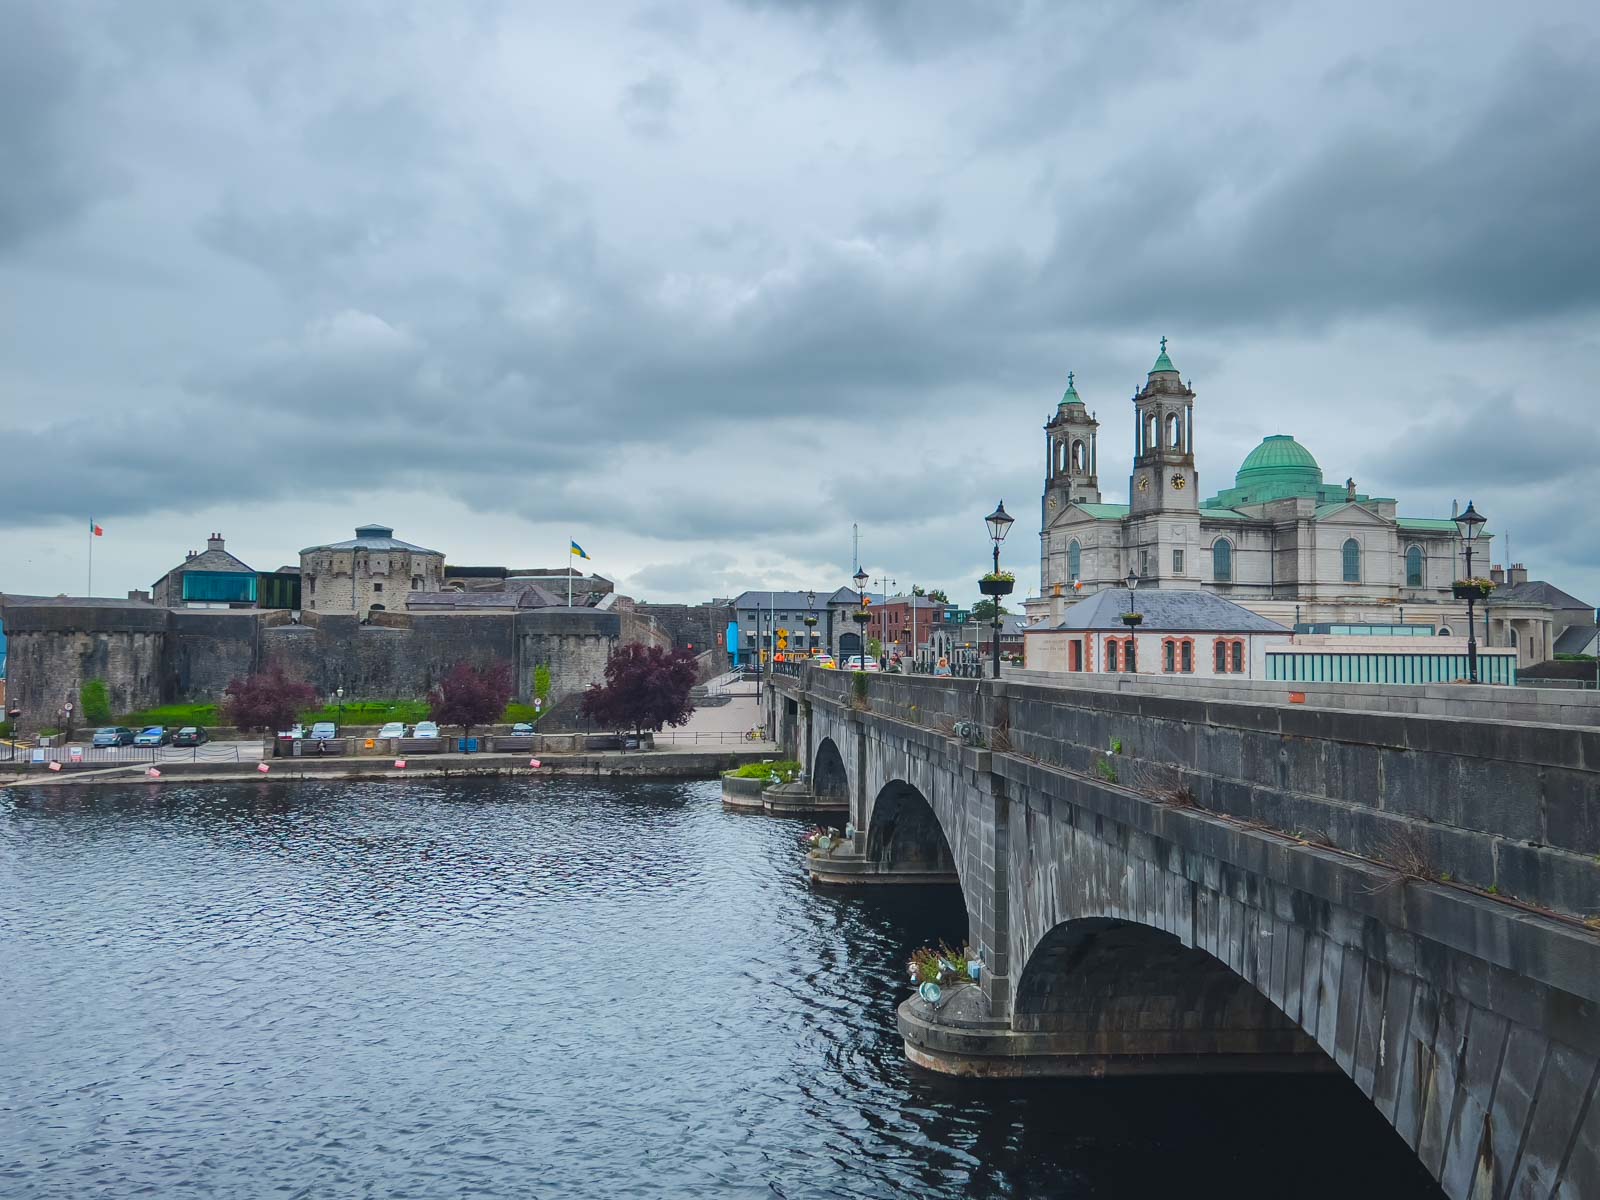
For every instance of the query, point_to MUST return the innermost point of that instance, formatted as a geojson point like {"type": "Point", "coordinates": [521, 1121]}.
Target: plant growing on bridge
{"type": "Point", "coordinates": [940, 964]}
{"type": "Point", "coordinates": [783, 771]}
{"type": "Point", "coordinates": [646, 687]}
{"type": "Point", "coordinates": [858, 688]}
{"type": "Point", "coordinates": [471, 695]}
{"type": "Point", "coordinates": [268, 700]}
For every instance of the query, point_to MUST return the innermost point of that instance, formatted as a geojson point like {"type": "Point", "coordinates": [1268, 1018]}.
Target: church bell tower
{"type": "Point", "coordinates": [1072, 457]}
{"type": "Point", "coordinates": [1163, 491]}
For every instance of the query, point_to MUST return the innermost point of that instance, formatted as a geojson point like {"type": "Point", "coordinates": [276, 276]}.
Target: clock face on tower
{"type": "Point", "coordinates": [1052, 503]}
{"type": "Point", "coordinates": [1144, 483]}
{"type": "Point", "coordinates": [1179, 482]}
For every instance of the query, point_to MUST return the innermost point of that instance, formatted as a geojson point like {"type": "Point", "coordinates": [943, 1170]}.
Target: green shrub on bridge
{"type": "Point", "coordinates": [783, 771]}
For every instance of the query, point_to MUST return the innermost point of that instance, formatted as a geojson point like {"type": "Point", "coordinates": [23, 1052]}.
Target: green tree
{"type": "Point", "coordinates": [984, 610]}
{"type": "Point", "coordinates": [95, 698]}
{"type": "Point", "coordinates": [938, 596]}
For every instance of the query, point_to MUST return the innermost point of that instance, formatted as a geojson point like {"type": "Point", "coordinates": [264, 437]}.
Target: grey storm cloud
{"type": "Point", "coordinates": [637, 273]}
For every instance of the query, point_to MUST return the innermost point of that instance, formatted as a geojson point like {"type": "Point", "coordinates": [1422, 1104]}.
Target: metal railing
{"type": "Point", "coordinates": [37, 757]}
{"type": "Point", "coordinates": [708, 737]}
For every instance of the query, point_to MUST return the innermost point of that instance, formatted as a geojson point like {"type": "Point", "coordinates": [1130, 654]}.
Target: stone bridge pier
{"type": "Point", "coordinates": [1159, 883]}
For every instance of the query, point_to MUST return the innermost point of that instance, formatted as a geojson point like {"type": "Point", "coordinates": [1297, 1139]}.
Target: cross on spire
{"type": "Point", "coordinates": [1069, 379]}
{"type": "Point", "coordinates": [1163, 345]}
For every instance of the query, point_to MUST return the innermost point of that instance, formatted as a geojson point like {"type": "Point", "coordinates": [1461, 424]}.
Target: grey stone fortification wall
{"type": "Point", "coordinates": [149, 656]}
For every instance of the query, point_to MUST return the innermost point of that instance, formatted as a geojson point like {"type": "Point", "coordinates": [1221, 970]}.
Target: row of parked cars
{"type": "Point", "coordinates": [324, 731]}
{"type": "Point", "coordinates": [151, 735]}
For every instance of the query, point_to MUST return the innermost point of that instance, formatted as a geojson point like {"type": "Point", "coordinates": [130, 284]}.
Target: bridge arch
{"type": "Point", "coordinates": [1117, 995]}
{"type": "Point", "coordinates": [904, 831]}
{"type": "Point", "coordinates": [829, 778]}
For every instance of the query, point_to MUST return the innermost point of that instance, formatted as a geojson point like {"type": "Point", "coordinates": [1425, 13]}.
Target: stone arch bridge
{"type": "Point", "coordinates": [1157, 882]}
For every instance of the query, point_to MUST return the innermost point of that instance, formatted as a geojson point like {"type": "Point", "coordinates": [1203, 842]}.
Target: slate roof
{"type": "Point", "coordinates": [1164, 611]}
{"type": "Point", "coordinates": [529, 595]}
{"type": "Point", "coordinates": [763, 599]}
{"type": "Point", "coordinates": [373, 537]}
{"type": "Point", "coordinates": [1535, 592]}
{"type": "Point", "coordinates": [1574, 639]}
{"type": "Point", "coordinates": [211, 560]}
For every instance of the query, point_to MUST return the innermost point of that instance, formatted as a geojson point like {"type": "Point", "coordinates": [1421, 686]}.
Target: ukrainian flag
{"type": "Point", "coordinates": [578, 550]}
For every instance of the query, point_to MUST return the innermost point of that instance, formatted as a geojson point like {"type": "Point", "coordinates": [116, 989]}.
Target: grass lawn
{"type": "Point", "coordinates": [355, 712]}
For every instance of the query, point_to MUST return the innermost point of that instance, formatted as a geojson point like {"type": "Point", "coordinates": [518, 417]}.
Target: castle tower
{"type": "Point", "coordinates": [1163, 491]}
{"type": "Point", "coordinates": [1072, 455]}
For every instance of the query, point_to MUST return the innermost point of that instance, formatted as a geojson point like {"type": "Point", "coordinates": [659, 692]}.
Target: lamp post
{"type": "Point", "coordinates": [999, 522]}
{"type": "Point", "coordinates": [339, 692]}
{"type": "Point", "coordinates": [883, 643]}
{"type": "Point", "coordinates": [811, 623]}
{"type": "Point", "coordinates": [1131, 658]}
{"type": "Point", "coordinates": [1469, 524]}
{"type": "Point", "coordinates": [14, 714]}
{"type": "Point", "coordinates": [860, 578]}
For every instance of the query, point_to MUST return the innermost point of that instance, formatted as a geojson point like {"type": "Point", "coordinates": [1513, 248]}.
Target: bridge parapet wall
{"type": "Point", "coordinates": [1513, 808]}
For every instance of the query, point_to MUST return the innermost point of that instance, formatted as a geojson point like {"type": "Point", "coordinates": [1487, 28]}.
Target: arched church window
{"type": "Point", "coordinates": [1174, 431]}
{"type": "Point", "coordinates": [1152, 432]}
{"type": "Point", "coordinates": [1080, 458]}
{"type": "Point", "coordinates": [1074, 560]}
{"type": "Point", "coordinates": [1352, 561]}
{"type": "Point", "coordinates": [1414, 566]}
{"type": "Point", "coordinates": [1222, 561]}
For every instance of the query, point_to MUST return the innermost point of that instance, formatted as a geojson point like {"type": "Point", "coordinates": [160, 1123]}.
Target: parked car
{"type": "Point", "coordinates": [324, 731]}
{"type": "Point", "coordinates": [857, 663]}
{"type": "Point", "coordinates": [191, 735]}
{"type": "Point", "coordinates": [425, 729]}
{"type": "Point", "coordinates": [393, 729]}
{"type": "Point", "coordinates": [155, 735]}
{"type": "Point", "coordinates": [522, 727]}
{"type": "Point", "coordinates": [113, 735]}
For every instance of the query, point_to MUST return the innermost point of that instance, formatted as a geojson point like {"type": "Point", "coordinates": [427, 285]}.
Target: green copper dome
{"type": "Point", "coordinates": [1279, 459]}
{"type": "Point", "coordinates": [1071, 396]}
{"type": "Point", "coordinates": [1163, 363]}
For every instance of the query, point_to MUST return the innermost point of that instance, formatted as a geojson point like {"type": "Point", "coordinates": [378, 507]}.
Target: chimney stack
{"type": "Point", "coordinates": [214, 542]}
{"type": "Point", "coordinates": [1516, 573]}
{"type": "Point", "coordinates": [1497, 573]}
{"type": "Point", "coordinates": [189, 554]}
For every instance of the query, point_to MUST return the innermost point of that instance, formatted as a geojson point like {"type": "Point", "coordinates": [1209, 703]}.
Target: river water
{"type": "Point", "coordinates": [538, 988]}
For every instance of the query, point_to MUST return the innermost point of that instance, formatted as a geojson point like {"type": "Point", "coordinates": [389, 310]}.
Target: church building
{"type": "Point", "coordinates": [1280, 541]}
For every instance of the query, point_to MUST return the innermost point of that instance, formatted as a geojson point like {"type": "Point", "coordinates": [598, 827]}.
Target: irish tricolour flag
{"type": "Point", "coordinates": [95, 529]}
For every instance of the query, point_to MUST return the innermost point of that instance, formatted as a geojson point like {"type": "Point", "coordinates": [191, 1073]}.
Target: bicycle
{"type": "Point", "coordinates": [755, 735]}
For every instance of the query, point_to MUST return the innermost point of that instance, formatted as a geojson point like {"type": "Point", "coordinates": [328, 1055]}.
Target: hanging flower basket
{"type": "Point", "coordinates": [1472, 589]}
{"type": "Point", "coordinates": [997, 583]}
{"type": "Point", "coordinates": [811, 621]}
{"type": "Point", "coordinates": [1132, 619]}
{"type": "Point", "coordinates": [861, 616]}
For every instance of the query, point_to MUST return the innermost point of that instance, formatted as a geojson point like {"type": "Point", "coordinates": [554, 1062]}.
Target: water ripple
{"type": "Point", "coordinates": [534, 988]}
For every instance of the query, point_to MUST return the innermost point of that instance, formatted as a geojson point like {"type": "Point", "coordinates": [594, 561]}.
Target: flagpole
{"type": "Point", "coordinates": [90, 585]}
{"type": "Point", "coordinates": [569, 572]}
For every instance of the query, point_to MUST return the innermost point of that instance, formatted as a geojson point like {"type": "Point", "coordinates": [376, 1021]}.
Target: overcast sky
{"type": "Point", "coordinates": [702, 284]}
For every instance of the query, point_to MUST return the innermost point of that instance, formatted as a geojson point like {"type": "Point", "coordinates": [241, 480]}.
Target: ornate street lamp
{"type": "Point", "coordinates": [861, 616]}
{"type": "Point", "coordinates": [811, 623]}
{"type": "Point", "coordinates": [1131, 619]}
{"type": "Point", "coordinates": [994, 585]}
{"type": "Point", "coordinates": [1469, 524]}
